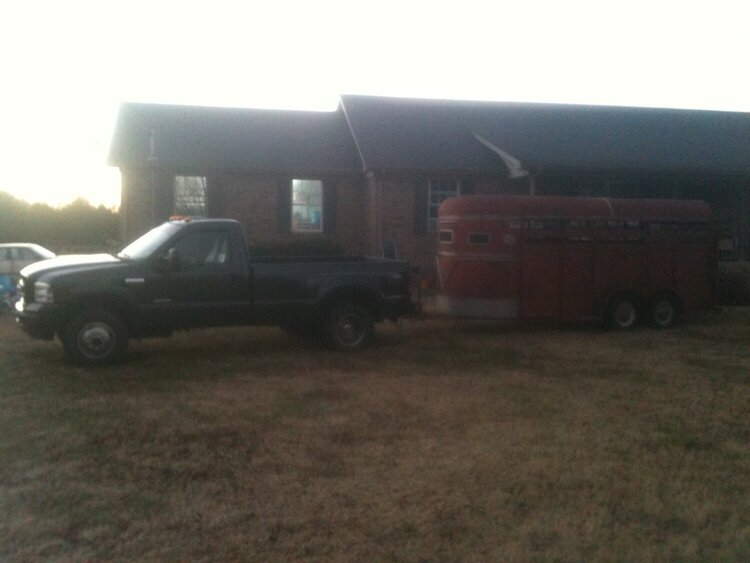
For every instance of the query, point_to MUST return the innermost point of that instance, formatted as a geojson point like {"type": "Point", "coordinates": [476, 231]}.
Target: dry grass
{"type": "Point", "coordinates": [445, 441]}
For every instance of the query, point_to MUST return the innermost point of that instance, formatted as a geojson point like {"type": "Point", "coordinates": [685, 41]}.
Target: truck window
{"type": "Point", "coordinates": [207, 248]}
{"type": "Point", "coordinates": [148, 244]}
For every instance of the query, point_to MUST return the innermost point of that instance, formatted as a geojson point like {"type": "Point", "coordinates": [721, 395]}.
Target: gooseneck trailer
{"type": "Point", "coordinates": [576, 259]}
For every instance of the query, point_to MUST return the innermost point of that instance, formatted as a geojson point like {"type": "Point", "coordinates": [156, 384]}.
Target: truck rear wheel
{"type": "Point", "coordinates": [349, 327]}
{"type": "Point", "coordinates": [95, 337]}
{"type": "Point", "coordinates": [624, 312]}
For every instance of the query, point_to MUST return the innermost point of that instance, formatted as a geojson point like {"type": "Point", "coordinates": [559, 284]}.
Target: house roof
{"type": "Point", "coordinates": [192, 137]}
{"type": "Point", "coordinates": [378, 133]}
{"type": "Point", "coordinates": [397, 133]}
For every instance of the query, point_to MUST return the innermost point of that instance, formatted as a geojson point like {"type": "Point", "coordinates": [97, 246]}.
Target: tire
{"type": "Point", "coordinates": [624, 313]}
{"type": "Point", "coordinates": [663, 311]}
{"type": "Point", "coordinates": [95, 338]}
{"type": "Point", "coordinates": [349, 328]}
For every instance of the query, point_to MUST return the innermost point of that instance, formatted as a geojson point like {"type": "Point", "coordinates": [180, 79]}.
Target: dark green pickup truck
{"type": "Point", "coordinates": [192, 274]}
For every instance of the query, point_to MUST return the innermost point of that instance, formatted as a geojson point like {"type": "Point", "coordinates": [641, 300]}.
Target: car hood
{"type": "Point", "coordinates": [69, 262]}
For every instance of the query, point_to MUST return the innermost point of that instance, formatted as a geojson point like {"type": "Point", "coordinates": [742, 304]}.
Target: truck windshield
{"type": "Point", "coordinates": [148, 243]}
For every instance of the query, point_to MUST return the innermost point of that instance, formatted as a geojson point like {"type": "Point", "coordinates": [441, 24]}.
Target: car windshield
{"type": "Point", "coordinates": [148, 243]}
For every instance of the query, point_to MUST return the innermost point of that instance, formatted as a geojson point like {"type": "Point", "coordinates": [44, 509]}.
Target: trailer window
{"type": "Point", "coordinates": [445, 235]}
{"type": "Point", "coordinates": [479, 238]}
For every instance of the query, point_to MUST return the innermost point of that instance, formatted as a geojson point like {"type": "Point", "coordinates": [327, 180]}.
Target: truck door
{"type": "Point", "coordinates": [209, 286]}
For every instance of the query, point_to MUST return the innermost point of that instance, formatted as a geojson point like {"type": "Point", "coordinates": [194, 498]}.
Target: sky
{"type": "Point", "coordinates": [66, 66]}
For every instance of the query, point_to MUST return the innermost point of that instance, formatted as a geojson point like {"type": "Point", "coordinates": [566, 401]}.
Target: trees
{"type": "Point", "coordinates": [76, 227]}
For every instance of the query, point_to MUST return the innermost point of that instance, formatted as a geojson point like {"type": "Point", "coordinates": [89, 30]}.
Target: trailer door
{"type": "Point", "coordinates": [541, 261]}
{"type": "Point", "coordinates": [578, 298]}
{"type": "Point", "coordinates": [695, 264]}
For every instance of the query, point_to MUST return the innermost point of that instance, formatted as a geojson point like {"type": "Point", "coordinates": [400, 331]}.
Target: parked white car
{"type": "Point", "coordinates": [15, 256]}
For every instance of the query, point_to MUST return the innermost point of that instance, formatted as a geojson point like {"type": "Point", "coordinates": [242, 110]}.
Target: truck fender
{"type": "Point", "coordinates": [120, 302]}
{"type": "Point", "coordinates": [366, 297]}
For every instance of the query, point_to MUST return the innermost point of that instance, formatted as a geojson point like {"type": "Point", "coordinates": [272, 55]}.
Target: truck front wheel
{"type": "Point", "coordinates": [95, 337]}
{"type": "Point", "coordinates": [350, 327]}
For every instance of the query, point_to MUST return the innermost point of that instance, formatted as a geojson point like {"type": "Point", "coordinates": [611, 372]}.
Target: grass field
{"type": "Point", "coordinates": [445, 441]}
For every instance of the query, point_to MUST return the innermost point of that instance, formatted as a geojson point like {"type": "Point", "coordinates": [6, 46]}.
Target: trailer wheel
{"type": "Point", "coordinates": [349, 327]}
{"type": "Point", "coordinates": [624, 312]}
{"type": "Point", "coordinates": [95, 337]}
{"type": "Point", "coordinates": [663, 311]}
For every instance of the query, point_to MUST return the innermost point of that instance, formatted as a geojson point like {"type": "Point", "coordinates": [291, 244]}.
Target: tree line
{"type": "Point", "coordinates": [78, 226]}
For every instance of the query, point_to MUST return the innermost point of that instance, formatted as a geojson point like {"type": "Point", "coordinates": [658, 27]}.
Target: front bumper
{"type": "Point", "coordinates": [38, 320]}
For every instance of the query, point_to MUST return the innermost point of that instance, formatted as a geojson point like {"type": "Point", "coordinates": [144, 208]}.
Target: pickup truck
{"type": "Point", "coordinates": [187, 274]}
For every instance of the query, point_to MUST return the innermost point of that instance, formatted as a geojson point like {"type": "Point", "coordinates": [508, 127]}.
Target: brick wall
{"type": "Point", "coordinates": [374, 207]}
{"type": "Point", "coordinates": [146, 200]}
{"type": "Point", "coordinates": [369, 209]}
{"type": "Point", "coordinates": [252, 199]}
{"type": "Point", "coordinates": [397, 215]}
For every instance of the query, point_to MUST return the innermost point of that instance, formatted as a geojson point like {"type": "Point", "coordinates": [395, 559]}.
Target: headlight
{"type": "Point", "coordinates": [42, 292]}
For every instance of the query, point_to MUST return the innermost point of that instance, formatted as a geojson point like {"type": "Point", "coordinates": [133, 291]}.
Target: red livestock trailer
{"type": "Point", "coordinates": [573, 259]}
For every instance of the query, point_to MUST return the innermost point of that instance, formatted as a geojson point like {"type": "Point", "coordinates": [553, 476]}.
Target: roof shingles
{"type": "Point", "coordinates": [433, 135]}
{"type": "Point", "coordinates": [227, 139]}
{"type": "Point", "coordinates": [436, 134]}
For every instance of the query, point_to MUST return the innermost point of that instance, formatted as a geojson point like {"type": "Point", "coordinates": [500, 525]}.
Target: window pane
{"type": "Point", "coordinates": [440, 190]}
{"type": "Point", "coordinates": [307, 206]}
{"type": "Point", "coordinates": [204, 249]}
{"type": "Point", "coordinates": [190, 196]}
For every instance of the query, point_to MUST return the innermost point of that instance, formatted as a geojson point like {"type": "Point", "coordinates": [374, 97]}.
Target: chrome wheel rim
{"type": "Point", "coordinates": [663, 313]}
{"type": "Point", "coordinates": [350, 330]}
{"type": "Point", "coordinates": [96, 340]}
{"type": "Point", "coordinates": [625, 314]}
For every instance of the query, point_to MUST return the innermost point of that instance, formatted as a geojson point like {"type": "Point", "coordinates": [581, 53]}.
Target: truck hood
{"type": "Point", "coordinates": [69, 262]}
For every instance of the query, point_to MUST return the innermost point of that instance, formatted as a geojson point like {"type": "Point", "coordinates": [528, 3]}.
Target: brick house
{"type": "Point", "coordinates": [371, 175]}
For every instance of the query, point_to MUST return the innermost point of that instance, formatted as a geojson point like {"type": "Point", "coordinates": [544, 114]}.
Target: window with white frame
{"type": "Point", "coordinates": [439, 191]}
{"type": "Point", "coordinates": [307, 206]}
{"type": "Point", "coordinates": [190, 196]}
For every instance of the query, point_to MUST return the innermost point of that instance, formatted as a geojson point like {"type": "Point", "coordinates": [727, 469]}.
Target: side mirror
{"type": "Point", "coordinates": [174, 263]}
